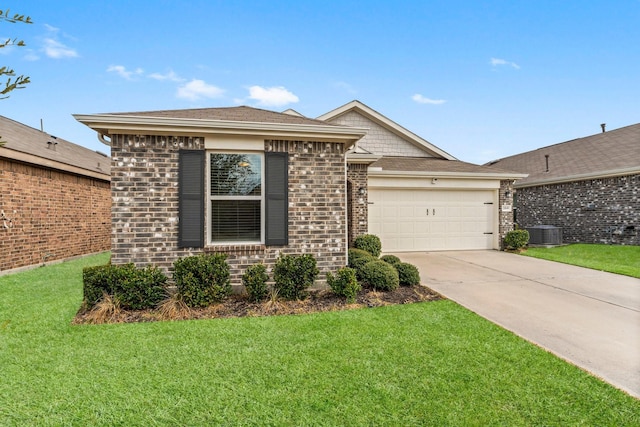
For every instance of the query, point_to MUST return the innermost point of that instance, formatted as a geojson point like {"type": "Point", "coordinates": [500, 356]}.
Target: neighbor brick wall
{"type": "Point", "coordinates": [145, 204]}
{"type": "Point", "coordinates": [589, 211]}
{"type": "Point", "coordinates": [53, 215]}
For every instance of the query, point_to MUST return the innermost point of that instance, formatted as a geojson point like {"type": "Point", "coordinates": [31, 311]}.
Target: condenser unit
{"type": "Point", "coordinates": [545, 235]}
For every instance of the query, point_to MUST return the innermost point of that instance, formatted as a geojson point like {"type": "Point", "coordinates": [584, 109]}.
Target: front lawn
{"type": "Point", "coordinates": [614, 259]}
{"type": "Point", "coordinates": [431, 363]}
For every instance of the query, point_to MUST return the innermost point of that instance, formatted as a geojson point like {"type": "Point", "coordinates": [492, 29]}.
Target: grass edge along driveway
{"type": "Point", "coordinates": [431, 363]}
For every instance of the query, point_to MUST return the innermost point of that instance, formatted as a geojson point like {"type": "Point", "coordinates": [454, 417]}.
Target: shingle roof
{"type": "Point", "coordinates": [604, 154]}
{"type": "Point", "coordinates": [25, 143]}
{"type": "Point", "coordinates": [435, 165]}
{"type": "Point", "coordinates": [235, 114]}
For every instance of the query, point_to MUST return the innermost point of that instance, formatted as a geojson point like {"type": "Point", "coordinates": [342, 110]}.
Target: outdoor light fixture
{"type": "Point", "coordinates": [507, 193]}
{"type": "Point", "coordinates": [362, 191]}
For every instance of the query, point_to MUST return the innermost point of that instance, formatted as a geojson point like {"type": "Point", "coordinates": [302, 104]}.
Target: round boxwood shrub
{"type": "Point", "coordinates": [516, 239]}
{"type": "Point", "coordinates": [368, 242]}
{"type": "Point", "coordinates": [408, 274]}
{"type": "Point", "coordinates": [255, 280]}
{"type": "Point", "coordinates": [344, 283]}
{"type": "Point", "coordinates": [358, 258]}
{"type": "Point", "coordinates": [391, 259]}
{"type": "Point", "coordinates": [380, 276]}
{"type": "Point", "coordinates": [293, 274]}
{"type": "Point", "coordinates": [202, 279]}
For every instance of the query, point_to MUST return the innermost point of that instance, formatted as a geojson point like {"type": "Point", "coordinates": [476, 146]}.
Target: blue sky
{"type": "Point", "coordinates": [479, 79]}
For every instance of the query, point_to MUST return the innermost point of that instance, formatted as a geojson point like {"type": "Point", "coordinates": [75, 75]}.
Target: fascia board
{"type": "Point", "coordinates": [52, 164]}
{"type": "Point", "coordinates": [412, 174]}
{"type": "Point", "coordinates": [580, 177]}
{"type": "Point", "coordinates": [388, 124]}
{"type": "Point", "coordinates": [113, 124]}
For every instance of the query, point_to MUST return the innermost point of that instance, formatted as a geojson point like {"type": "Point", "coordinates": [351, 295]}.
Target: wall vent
{"type": "Point", "coordinates": [545, 235]}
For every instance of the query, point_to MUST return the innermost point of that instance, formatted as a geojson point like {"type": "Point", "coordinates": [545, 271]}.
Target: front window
{"type": "Point", "coordinates": [236, 200]}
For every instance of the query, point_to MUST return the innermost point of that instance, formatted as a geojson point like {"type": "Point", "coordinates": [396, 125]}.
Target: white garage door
{"type": "Point", "coordinates": [423, 220]}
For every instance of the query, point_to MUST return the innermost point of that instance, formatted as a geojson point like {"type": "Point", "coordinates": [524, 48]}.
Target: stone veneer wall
{"type": "Point", "coordinates": [505, 221]}
{"type": "Point", "coordinates": [145, 204]}
{"type": "Point", "coordinates": [590, 211]}
{"type": "Point", "coordinates": [50, 215]}
{"type": "Point", "coordinates": [358, 204]}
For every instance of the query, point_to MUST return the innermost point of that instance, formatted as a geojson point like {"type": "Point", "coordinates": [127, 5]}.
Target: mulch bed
{"type": "Point", "coordinates": [239, 306]}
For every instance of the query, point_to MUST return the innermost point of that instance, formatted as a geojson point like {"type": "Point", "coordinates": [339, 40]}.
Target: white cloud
{"type": "Point", "coordinates": [170, 76]}
{"type": "Point", "coordinates": [422, 100]}
{"type": "Point", "coordinates": [345, 86]}
{"type": "Point", "coordinates": [197, 89]}
{"type": "Point", "coordinates": [123, 72]}
{"type": "Point", "coordinates": [497, 62]}
{"type": "Point", "coordinates": [54, 49]}
{"type": "Point", "coordinates": [272, 96]}
{"type": "Point", "coordinates": [31, 56]}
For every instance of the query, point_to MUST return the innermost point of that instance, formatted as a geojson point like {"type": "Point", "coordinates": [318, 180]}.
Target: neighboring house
{"type": "Point", "coordinates": [55, 199]}
{"type": "Point", "coordinates": [590, 187]}
{"type": "Point", "coordinates": [253, 183]}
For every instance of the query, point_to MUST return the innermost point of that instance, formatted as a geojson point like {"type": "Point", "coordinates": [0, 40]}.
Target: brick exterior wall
{"type": "Point", "coordinates": [145, 204]}
{"type": "Point", "coordinates": [358, 207]}
{"type": "Point", "coordinates": [505, 220]}
{"type": "Point", "coordinates": [378, 139]}
{"type": "Point", "coordinates": [590, 211]}
{"type": "Point", "coordinates": [50, 215]}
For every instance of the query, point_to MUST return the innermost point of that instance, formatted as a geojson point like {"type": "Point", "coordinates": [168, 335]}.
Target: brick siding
{"type": "Point", "coordinates": [50, 215]}
{"type": "Point", "coordinates": [589, 211]}
{"type": "Point", "coordinates": [505, 222]}
{"type": "Point", "coordinates": [358, 215]}
{"type": "Point", "coordinates": [145, 204]}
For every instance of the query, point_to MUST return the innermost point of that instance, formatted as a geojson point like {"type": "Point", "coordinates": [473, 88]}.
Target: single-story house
{"type": "Point", "coordinates": [55, 198]}
{"type": "Point", "coordinates": [253, 183]}
{"type": "Point", "coordinates": [589, 187]}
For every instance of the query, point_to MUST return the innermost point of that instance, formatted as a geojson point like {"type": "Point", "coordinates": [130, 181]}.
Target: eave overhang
{"type": "Point", "coordinates": [111, 124]}
{"type": "Point", "coordinates": [22, 157]}
{"type": "Point", "coordinates": [379, 172]}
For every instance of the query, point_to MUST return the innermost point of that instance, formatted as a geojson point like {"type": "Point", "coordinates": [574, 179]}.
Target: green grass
{"type": "Point", "coordinates": [421, 364]}
{"type": "Point", "coordinates": [614, 259]}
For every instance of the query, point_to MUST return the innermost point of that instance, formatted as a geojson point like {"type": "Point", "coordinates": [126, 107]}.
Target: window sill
{"type": "Point", "coordinates": [241, 249]}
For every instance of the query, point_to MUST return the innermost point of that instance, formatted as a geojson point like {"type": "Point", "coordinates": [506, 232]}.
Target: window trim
{"type": "Point", "coordinates": [209, 199]}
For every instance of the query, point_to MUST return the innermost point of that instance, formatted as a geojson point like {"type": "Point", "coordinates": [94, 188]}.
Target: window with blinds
{"type": "Point", "coordinates": [236, 197]}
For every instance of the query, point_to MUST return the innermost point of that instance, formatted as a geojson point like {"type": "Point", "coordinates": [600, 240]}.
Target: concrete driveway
{"type": "Point", "coordinates": [587, 317]}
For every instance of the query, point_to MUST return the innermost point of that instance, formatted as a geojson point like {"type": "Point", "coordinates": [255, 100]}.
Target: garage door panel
{"type": "Point", "coordinates": [411, 220]}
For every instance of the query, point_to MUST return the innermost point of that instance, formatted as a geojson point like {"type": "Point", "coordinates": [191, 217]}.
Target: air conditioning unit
{"type": "Point", "coordinates": [545, 235]}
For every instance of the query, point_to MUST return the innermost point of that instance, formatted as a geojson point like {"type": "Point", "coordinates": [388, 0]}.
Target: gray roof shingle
{"type": "Point", "coordinates": [601, 154]}
{"type": "Point", "coordinates": [435, 165]}
{"type": "Point", "coordinates": [48, 150]}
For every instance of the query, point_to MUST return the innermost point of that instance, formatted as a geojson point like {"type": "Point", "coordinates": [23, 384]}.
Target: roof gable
{"type": "Point", "coordinates": [611, 153]}
{"type": "Point", "coordinates": [350, 113]}
{"type": "Point", "coordinates": [29, 145]}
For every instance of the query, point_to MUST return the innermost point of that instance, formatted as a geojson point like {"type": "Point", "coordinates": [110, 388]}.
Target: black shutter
{"type": "Point", "coordinates": [191, 198]}
{"type": "Point", "coordinates": [277, 203]}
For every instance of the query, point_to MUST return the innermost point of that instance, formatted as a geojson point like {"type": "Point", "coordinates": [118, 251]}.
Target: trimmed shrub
{"type": "Point", "coordinates": [202, 280]}
{"type": "Point", "coordinates": [293, 275]}
{"type": "Point", "coordinates": [358, 258]}
{"type": "Point", "coordinates": [380, 276]}
{"type": "Point", "coordinates": [368, 242]}
{"type": "Point", "coordinates": [131, 288]}
{"type": "Point", "coordinates": [344, 283]}
{"type": "Point", "coordinates": [255, 280]}
{"type": "Point", "coordinates": [408, 274]}
{"type": "Point", "coordinates": [391, 259]}
{"type": "Point", "coordinates": [516, 239]}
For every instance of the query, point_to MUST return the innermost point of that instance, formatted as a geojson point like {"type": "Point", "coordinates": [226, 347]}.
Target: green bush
{"type": "Point", "coordinates": [358, 258]}
{"type": "Point", "coordinates": [293, 275]}
{"type": "Point", "coordinates": [133, 288]}
{"type": "Point", "coordinates": [255, 280]}
{"type": "Point", "coordinates": [368, 242]}
{"type": "Point", "coordinates": [408, 274]}
{"type": "Point", "coordinates": [202, 279]}
{"type": "Point", "coordinates": [380, 276]}
{"type": "Point", "coordinates": [516, 239]}
{"type": "Point", "coordinates": [391, 259]}
{"type": "Point", "coordinates": [344, 283]}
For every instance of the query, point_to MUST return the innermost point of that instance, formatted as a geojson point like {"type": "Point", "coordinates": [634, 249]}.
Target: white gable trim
{"type": "Point", "coordinates": [388, 124]}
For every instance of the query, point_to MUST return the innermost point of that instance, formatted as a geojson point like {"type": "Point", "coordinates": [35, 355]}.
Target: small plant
{"type": "Point", "coordinates": [255, 280]}
{"type": "Point", "coordinates": [105, 311]}
{"type": "Point", "coordinates": [391, 259]}
{"type": "Point", "coordinates": [368, 242]}
{"type": "Point", "coordinates": [516, 239]}
{"type": "Point", "coordinates": [294, 274]}
{"type": "Point", "coordinates": [357, 259]}
{"type": "Point", "coordinates": [344, 283]}
{"type": "Point", "coordinates": [408, 274]}
{"type": "Point", "coordinates": [174, 308]}
{"type": "Point", "coordinates": [380, 276]}
{"type": "Point", "coordinates": [202, 280]}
